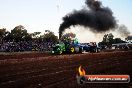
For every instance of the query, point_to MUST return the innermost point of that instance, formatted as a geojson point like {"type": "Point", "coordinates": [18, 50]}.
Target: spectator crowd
{"type": "Point", "coordinates": [25, 46]}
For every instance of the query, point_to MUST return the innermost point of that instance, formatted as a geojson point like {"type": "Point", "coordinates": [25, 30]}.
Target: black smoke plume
{"type": "Point", "coordinates": [97, 17]}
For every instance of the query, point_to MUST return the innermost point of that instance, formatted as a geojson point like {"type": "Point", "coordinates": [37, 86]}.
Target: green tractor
{"type": "Point", "coordinates": [68, 47]}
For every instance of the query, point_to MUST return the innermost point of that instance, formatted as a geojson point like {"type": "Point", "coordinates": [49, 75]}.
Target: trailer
{"type": "Point", "coordinates": [91, 47]}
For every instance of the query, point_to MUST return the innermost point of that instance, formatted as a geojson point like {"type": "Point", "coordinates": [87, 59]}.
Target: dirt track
{"type": "Point", "coordinates": [60, 71]}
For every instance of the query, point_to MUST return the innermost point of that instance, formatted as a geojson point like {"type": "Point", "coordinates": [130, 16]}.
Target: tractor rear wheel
{"type": "Point", "coordinates": [77, 49]}
{"type": "Point", "coordinates": [72, 50]}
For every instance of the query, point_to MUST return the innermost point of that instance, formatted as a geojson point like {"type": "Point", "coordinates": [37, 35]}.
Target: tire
{"type": "Point", "coordinates": [98, 50]}
{"type": "Point", "coordinates": [60, 52]}
{"type": "Point", "coordinates": [94, 50]}
{"type": "Point", "coordinates": [72, 50]}
{"type": "Point", "coordinates": [80, 49]}
{"type": "Point", "coordinates": [77, 49]}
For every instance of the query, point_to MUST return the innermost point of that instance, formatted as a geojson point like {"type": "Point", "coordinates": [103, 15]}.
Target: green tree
{"type": "Point", "coordinates": [118, 40]}
{"type": "Point", "coordinates": [36, 34]}
{"type": "Point", "coordinates": [105, 38]}
{"type": "Point", "coordinates": [3, 34]}
{"type": "Point", "coordinates": [19, 33]}
{"type": "Point", "coordinates": [49, 36]}
{"type": "Point", "coordinates": [108, 40]}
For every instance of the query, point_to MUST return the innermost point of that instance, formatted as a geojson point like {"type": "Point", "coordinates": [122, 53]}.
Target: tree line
{"type": "Point", "coordinates": [108, 40]}
{"type": "Point", "coordinates": [19, 33]}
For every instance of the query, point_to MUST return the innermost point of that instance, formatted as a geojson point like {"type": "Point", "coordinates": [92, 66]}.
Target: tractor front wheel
{"type": "Point", "coordinates": [60, 52]}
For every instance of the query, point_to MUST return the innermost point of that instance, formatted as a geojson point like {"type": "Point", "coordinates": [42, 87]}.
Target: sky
{"type": "Point", "coordinates": [41, 15]}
